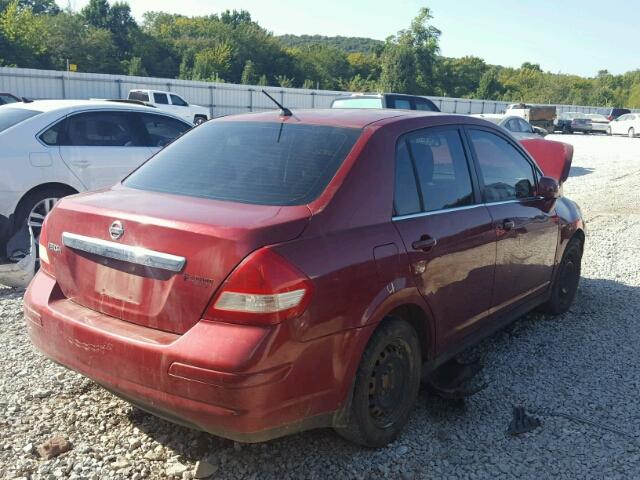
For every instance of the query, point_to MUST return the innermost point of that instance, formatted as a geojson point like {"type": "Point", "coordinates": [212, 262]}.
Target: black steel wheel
{"type": "Point", "coordinates": [565, 284]}
{"type": "Point", "coordinates": [386, 385]}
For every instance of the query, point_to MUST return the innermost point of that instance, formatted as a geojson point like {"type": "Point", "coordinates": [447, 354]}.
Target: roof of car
{"type": "Point", "coordinates": [51, 105]}
{"type": "Point", "coordinates": [343, 117]}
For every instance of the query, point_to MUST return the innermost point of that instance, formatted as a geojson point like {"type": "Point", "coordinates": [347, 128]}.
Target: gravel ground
{"type": "Point", "coordinates": [583, 365]}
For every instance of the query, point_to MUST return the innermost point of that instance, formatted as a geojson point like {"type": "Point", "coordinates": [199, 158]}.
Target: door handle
{"type": "Point", "coordinates": [425, 243]}
{"type": "Point", "coordinates": [508, 225]}
{"type": "Point", "coordinates": [81, 163]}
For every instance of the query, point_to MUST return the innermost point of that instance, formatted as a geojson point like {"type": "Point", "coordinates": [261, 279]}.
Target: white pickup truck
{"type": "Point", "coordinates": [172, 103]}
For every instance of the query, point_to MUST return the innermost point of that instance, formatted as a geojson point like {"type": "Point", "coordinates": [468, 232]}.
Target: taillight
{"type": "Point", "coordinates": [264, 288]}
{"type": "Point", "coordinates": [43, 254]}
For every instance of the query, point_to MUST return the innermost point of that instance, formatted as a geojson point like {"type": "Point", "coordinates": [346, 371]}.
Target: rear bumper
{"type": "Point", "coordinates": [245, 383]}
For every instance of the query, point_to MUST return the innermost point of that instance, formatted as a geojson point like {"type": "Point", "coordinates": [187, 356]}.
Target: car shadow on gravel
{"type": "Point", "coordinates": [580, 171]}
{"type": "Point", "coordinates": [436, 421]}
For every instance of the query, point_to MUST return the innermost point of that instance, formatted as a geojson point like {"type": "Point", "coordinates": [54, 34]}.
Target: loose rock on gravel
{"type": "Point", "coordinates": [579, 373]}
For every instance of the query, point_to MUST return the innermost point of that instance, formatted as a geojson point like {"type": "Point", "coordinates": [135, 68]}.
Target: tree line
{"type": "Point", "coordinates": [232, 47]}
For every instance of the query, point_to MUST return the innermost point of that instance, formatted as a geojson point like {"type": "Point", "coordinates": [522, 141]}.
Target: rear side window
{"type": "Point", "coordinates": [13, 116]}
{"type": "Point", "coordinates": [141, 96]}
{"type": "Point", "coordinates": [100, 129]}
{"type": "Point", "coordinates": [161, 98]}
{"type": "Point", "coordinates": [440, 170]}
{"type": "Point", "coordinates": [406, 199]}
{"type": "Point", "coordinates": [505, 172]}
{"type": "Point", "coordinates": [176, 100]}
{"type": "Point", "coordinates": [249, 162]}
{"type": "Point", "coordinates": [162, 130]}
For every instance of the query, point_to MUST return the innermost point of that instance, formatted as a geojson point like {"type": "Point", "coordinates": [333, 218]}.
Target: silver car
{"type": "Point", "coordinates": [517, 126]}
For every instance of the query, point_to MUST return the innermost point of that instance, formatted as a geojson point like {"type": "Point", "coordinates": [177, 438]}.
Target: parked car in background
{"type": "Point", "coordinates": [53, 148]}
{"type": "Point", "coordinates": [599, 123]}
{"type": "Point", "coordinates": [264, 275]}
{"type": "Point", "coordinates": [613, 113]}
{"type": "Point", "coordinates": [172, 103]}
{"type": "Point", "coordinates": [571, 122]}
{"type": "Point", "coordinates": [541, 116]}
{"type": "Point", "coordinates": [518, 127]}
{"type": "Point", "coordinates": [628, 124]}
{"type": "Point", "coordinates": [385, 100]}
{"type": "Point", "coordinates": [6, 98]}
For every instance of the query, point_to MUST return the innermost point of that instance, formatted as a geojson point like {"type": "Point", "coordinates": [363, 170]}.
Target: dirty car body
{"type": "Point", "coordinates": [247, 296]}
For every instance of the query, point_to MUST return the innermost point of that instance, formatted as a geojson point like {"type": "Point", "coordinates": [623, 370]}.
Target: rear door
{"type": "Point", "coordinates": [448, 235]}
{"type": "Point", "coordinates": [526, 225]}
{"type": "Point", "coordinates": [101, 147]}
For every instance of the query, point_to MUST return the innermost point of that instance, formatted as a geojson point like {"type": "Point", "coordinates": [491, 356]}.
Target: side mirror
{"type": "Point", "coordinates": [548, 188]}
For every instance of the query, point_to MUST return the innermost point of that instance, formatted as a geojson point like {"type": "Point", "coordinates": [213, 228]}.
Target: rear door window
{"type": "Point", "coordinates": [249, 162]}
{"type": "Point", "coordinates": [102, 129]}
{"type": "Point", "coordinates": [440, 172]}
{"type": "Point", "coordinates": [140, 96]}
{"type": "Point", "coordinates": [161, 98]}
{"type": "Point", "coordinates": [505, 173]}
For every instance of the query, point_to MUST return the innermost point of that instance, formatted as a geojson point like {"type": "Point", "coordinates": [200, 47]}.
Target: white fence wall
{"type": "Point", "coordinates": [220, 98]}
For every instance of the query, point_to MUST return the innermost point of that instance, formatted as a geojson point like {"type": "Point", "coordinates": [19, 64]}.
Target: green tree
{"type": "Point", "coordinates": [398, 69]}
{"type": "Point", "coordinates": [284, 81]}
{"type": "Point", "coordinates": [21, 39]}
{"type": "Point", "coordinates": [489, 87]}
{"type": "Point", "coordinates": [212, 63]}
{"type": "Point", "coordinates": [37, 7]}
{"type": "Point", "coordinates": [249, 76]}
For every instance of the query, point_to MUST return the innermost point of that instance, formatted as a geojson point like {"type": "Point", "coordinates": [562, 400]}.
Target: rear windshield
{"type": "Point", "coordinates": [13, 116]}
{"type": "Point", "coordinates": [5, 98]}
{"type": "Point", "coordinates": [361, 102]}
{"type": "Point", "coordinates": [249, 162]}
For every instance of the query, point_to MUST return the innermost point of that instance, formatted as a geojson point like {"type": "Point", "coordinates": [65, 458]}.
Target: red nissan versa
{"type": "Point", "coordinates": [266, 274]}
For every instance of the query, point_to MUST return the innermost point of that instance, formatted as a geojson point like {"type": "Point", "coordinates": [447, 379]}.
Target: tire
{"type": "Point", "coordinates": [386, 385]}
{"type": "Point", "coordinates": [36, 205]}
{"type": "Point", "coordinates": [199, 119]}
{"type": "Point", "coordinates": [632, 132]}
{"type": "Point", "coordinates": [565, 284]}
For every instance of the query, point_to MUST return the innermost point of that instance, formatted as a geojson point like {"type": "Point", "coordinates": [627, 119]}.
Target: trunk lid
{"type": "Point", "coordinates": [212, 237]}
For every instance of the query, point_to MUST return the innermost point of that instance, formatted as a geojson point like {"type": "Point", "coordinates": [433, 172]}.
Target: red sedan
{"type": "Point", "coordinates": [268, 273]}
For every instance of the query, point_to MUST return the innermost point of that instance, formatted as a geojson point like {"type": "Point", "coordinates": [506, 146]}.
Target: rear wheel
{"type": "Point", "coordinates": [565, 284]}
{"type": "Point", "coordinates": [632, 132]}
{"type": "Point", "coordinates": [36, 206]}
{"type": "Point", "coordinates": [386, 385]}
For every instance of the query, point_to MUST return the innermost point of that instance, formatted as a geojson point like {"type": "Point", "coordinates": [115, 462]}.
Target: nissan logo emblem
{"type": "Point", "coordinates": [116, 230]}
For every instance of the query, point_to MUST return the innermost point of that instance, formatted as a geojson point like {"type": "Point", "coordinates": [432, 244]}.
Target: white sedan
{"type": "Point", "coordinates": [53, 148]}
{"type": "Point", "coordinates": [628, 124]}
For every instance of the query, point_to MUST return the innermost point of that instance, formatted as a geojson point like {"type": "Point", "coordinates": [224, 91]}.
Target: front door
{"type": "Point", "coordinates": [102, 147]}
{"type": "Point", "coordinates": [448, 236]}
{"type": "Point", "coordinates": [526, 225]}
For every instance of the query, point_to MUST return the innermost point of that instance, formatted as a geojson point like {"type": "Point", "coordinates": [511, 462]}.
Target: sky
{"type": "Point", "coordinates": [567, 36]}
